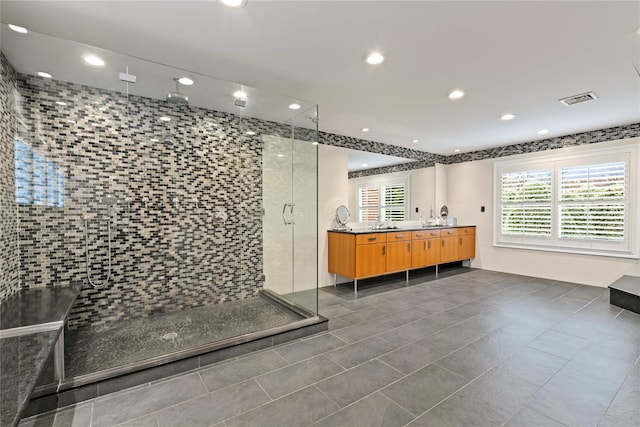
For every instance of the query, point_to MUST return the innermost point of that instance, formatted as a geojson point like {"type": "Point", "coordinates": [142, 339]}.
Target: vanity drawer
{"type": "Point", "coordinates": [425, 234]}
{"type": "Point", "coordinates": [370, 238]}
{"type": "Point", "coordinates": [466, 231]}
{"type": "Point", "coordinates": [399, 236]}
{"type": "Point", "coordinates": [449, 232]}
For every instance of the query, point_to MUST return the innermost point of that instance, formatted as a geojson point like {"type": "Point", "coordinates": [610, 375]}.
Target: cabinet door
{"type": "Point", "coordinates": [370, 260]}
{"type": "Point", "coordinates": [449, 249]}
{"type": "Point", "coordinates": [425, 252]}
{"type": "Point", "coordinates": [467, 246]}
{"type": "Point", "coordinates": [342, 255]}
{"type": "Point", "coordinates": [398, 256]}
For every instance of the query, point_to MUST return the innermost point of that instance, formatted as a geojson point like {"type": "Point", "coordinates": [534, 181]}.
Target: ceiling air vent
{"type": "Point", "coordinates": [577, 99]}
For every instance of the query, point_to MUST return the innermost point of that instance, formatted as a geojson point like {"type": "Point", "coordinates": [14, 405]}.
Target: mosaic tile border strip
{"type": "Point", "coordinates": [590, 137]}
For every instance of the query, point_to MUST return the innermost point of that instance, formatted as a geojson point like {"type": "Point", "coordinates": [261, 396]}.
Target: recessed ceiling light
{"type": "Point", "coordinates": [456, 94]}
{"type": "Point", "coordinates": [234, 3]}
{"type": "Point", "coordinates": [508, 116]}
{"type": "Point", "coordinates": [45, 75]}
{"type": "Point", "coordinates": [93, 60]}
{"type": "Point", "coordinates": [457, 150]}
{"type": "Point", "coordinates": [154, 140]}
{"type": "Point", "coordinates": [294, 106]}
{"type": "Point", "coordinates": [239, 94]}
{"type": "Point", "coordinates": [185, 81]}
{"type": "Point", "coordinates": [543, 131]}
{"type": "Point", "coordinates": [61, 103]}
{"type": "Point", "coordinates": [365, 129]}
{"type": "Point", "coordinates": [314, 143]}
{"type": "Point", "coordinates": [280, 156]}
{"type": "Point", "coordinates": [165, 119]}
{"type": "Point", "coordinates": [71, 121]}
{"type": "Point", "coordinates": [375, 58]}
{"type": "Point", "coordinates": [364, 165]}
{"type": "Point", "coordinates": [250, 132]}
{"type": "Point", "coordinates": [415, 141]}
{"type": "Point", "coordinates": [18, 29]}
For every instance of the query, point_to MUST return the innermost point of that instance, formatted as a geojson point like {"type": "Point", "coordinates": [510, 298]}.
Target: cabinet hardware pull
{"type": "Point", "coordinates": [429, 244]}
{"type": "Point", "coordinates": [408, 247]}
{"type": "Point", "coordinates": [400, 236]}
{"type": "Point", "coordinates": [384, 250]}
{"type": "Point", "coordinates": [461, 241]}
{"type": "Point", "coordinates": [442, 243]}
{"type": "Point", "coordinates": [373, 239]}
{"type": "Point", "coordinates": [418, 235]}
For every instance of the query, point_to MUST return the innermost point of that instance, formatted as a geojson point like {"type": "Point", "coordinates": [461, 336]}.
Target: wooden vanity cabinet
{"type": "Point", "coordinates": [398, 251]}
{"type": "Point", "coordinates": [448, 245]}
{"type": "Point", "coordinates": [370, 254]}
{"type": "Point", "coordinates": [466, 242]}
{"type": "Point", "coordinates": [358, 256]}
{"type": "Point", "coordinates": [425, 248]}
{"type": "Point", "coordinates": [457, 244]}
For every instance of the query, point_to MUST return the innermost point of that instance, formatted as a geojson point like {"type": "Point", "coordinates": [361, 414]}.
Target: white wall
{"type": "Point", "coordinates": [441, 188]}
{"type": "Point", "coordinates": [470, 185]}
{"type": "Point", "coordinates": [422, 193]}
{"type": "Point", "coordinates": [333, 191]}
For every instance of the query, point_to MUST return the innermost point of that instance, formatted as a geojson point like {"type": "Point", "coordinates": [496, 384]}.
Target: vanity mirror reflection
{"type": "Point", "coordinates": [405, 195]}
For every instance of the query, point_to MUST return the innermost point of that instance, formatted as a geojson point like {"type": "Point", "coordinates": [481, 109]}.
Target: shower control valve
{"type": "Point", "coordinates": [220, 216]}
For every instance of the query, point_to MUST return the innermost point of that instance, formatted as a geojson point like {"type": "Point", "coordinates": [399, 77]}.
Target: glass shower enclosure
{"type": "Point", "coordinates": [184, 206]}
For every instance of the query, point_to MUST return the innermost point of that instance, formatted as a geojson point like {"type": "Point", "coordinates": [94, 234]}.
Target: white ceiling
{"type": "Point", "coordinates": [516, 57]}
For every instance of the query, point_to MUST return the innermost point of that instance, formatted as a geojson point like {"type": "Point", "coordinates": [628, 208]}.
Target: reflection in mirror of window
{"type": "Point", "coordinates": [39, 181]}
{"type": "Point", "coordinates": [383, 200]}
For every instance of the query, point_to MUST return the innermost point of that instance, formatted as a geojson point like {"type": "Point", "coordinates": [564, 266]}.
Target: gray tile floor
{"type": "Point", "coordinates": [475, 349]}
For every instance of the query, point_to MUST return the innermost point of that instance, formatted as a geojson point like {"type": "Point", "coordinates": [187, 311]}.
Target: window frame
{"type": "Point", "coordinates": [626, 248]}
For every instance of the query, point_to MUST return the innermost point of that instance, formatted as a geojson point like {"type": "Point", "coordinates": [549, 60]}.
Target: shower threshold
{"type": "Point", "coordinates": [137, 351]}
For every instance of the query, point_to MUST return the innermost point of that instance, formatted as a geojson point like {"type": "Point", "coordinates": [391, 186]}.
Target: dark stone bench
{"type": "Point", "coordinates": [625, 293]}
{"type": "Point", "coordinates": [31, 326]}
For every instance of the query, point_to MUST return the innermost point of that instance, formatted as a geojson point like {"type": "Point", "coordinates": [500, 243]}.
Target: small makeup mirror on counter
{"type": "Point", "coordinates": [444, 212]}
{"type": "Point", "coordinates": [342, 217]}
{"type": "Point", "coordinates": [448, 220]}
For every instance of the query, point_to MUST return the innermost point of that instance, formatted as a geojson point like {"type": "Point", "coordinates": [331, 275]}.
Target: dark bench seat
{"type": "Point", "coordinates": [31, 326]}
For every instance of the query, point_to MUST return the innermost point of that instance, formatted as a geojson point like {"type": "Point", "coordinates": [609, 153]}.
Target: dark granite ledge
{"type": "Point", "coordinates": [36, 306]}
{"type": "Point", "coordinates": [625, 293]}
{"type": "Point", "coordinates": [24, 348]}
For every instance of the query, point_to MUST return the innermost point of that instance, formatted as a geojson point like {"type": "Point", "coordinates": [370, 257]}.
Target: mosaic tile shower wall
{"type": "Point", "coordinates": [170, 178]}
{"type": "Point", "coordinates": [9, 255]}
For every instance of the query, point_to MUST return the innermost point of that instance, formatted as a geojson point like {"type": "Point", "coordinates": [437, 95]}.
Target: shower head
{"type": "Point", "coordinates": [177, 97]}
{"type": "Point", "coordinates": [109, 200]}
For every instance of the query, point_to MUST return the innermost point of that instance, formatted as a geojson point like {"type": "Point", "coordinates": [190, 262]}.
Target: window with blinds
{"type": "Point", "coordinates": [592, 201]}
{"type": "Point", "coordinates": [580, 204]}
{"type": "Point", "coordinates": [526, 203]}
{"type": "Point", "coordinates": [382, 201]}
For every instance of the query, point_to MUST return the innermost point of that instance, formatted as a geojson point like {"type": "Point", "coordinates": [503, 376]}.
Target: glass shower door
{"type": "Point", "coordinates": [290, 213]}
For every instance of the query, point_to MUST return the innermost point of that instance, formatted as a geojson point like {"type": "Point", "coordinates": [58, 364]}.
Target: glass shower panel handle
{"type": "Point", "coordinates": [284, 209]}
{"type": "Point", "coordinates": [287, 221]}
